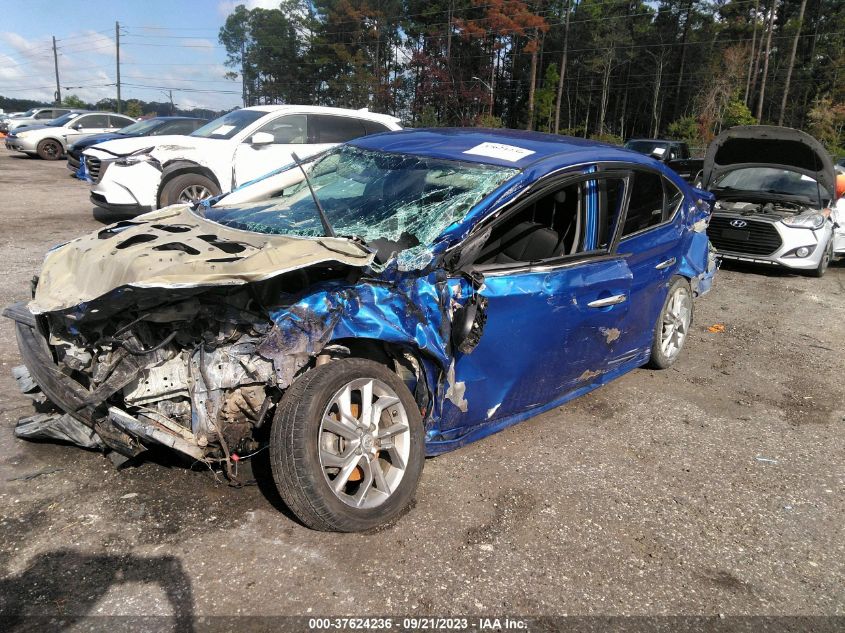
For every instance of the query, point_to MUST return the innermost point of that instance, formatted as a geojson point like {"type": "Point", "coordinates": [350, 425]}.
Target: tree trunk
{"type": "Point", "coordinates": [605, 88]}
{"type": "Point", "coordinates": [655, 110]}
{"type": "Point", "coordinates": [772, 12]}
{"type": "Point", "coordinates": [589, 103]}
{"type": "Point", "coordinates": [751, 57]}
{"type": "Point", "coordinates": [532, 86]}
{"type": "Point", "coordinates": [562, 66]}
{"type": "Point", "coordinates": [792, 61]}
{"type": "Point", "coordinates": [683, 59]}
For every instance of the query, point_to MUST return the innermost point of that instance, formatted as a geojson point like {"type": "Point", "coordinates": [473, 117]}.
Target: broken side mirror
{"type": "Point", "coordinates": [468, 321]}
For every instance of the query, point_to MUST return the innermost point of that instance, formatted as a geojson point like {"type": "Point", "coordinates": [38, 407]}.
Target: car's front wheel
{"type": "Point", "coordinates": [49, 149]}
{"type": "Point", "coordinates": [827, 256]}
{"type": "Point", "coordinates": [186, 189]}
{"type": "Point", "coordinates": [347, 446]}
{"type": "Point", "coordinates": [672, 326]}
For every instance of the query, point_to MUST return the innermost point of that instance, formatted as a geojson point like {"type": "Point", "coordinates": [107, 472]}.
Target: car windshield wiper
{"type": "Point", "coordinates": [327, 227]}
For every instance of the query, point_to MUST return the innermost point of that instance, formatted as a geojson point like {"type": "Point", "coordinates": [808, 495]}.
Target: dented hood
{"type": "Point", "coordinates": [767, 146]}
{"type": "Point", "coordinates": [167, 143]}
{"type": "Point", "coordinates": [173, 248]}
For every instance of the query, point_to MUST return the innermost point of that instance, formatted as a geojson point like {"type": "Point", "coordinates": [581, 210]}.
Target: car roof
{"type": "Point", "coordinates": [363, 113]}
{"type": "Point", "coordinates": [503, 147]}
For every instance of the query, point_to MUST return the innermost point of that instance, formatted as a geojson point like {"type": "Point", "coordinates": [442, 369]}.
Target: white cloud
{"type": "Point", "coordinates": [225, 7]}
{"type": "Point", "coordinates": [87, 70]}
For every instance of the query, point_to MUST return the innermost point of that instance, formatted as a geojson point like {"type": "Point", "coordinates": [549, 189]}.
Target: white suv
{"type": "Point", "coordinates": [136, 175]}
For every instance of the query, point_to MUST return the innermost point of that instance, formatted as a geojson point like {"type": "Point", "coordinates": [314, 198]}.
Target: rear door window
{"type": "Point", "coordinates": [92, 121]}
{"type": "Point", "coordinates": [645, 208]}
{"type": "Point", "coordinates": [119, 121]}
{"type": "Point", "coordinates": [325, 128]}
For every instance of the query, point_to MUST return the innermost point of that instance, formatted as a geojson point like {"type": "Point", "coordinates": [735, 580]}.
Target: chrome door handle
{"type": "Point", "coordinates": [608, 301]}
{"type": "Point", "coordinates": [665, 264]}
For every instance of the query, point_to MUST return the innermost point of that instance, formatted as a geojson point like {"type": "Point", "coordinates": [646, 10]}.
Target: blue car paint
{"type": "Point", "coordinates": [542, 345]}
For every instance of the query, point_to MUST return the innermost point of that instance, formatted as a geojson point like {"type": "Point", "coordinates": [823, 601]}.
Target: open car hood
{"type": "Point", "coordinates": [768, 146]}
{"type": "Point", "coordinates": [173, 248]}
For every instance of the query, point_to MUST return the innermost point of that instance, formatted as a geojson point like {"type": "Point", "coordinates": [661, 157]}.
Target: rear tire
{"type": "Point", "coordinates": [187, 188]}
{"type": "Point", "coordinates": [49, 149]}
{"type": "Point", "coordinates": [341, 466]}
{"type": "Point", "coordinates": [672, 326]}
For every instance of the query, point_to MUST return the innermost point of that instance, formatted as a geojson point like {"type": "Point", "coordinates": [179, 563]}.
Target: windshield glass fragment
{"type": "Point", "coordinates": [373, 195]}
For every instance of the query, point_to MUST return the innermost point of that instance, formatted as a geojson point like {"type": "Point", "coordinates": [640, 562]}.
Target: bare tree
{"type": "Point", "coordinates": [772, 12]}
{"type": "Point", "coordinates": [792, 61]}
{"type": "Point", "coordinates": [751, 57]}
{"type": "Point", "coordinates": [562, 65]}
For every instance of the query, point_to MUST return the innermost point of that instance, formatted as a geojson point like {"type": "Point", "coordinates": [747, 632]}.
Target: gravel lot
{"type": "Point", "coordinates": [716, 487]}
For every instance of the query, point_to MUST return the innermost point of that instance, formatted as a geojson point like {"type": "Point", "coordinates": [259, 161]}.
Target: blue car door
{"type": "Point", "coordinates": [556, 300]}
{"type": "Point", "coordinates": [650, 242]}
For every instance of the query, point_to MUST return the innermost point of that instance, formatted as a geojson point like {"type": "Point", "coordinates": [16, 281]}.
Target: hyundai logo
{"type": "Point", "coordinates": [739, 223]}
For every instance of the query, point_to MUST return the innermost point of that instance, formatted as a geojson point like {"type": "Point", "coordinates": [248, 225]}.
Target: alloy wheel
{"type": "Point", "coordinates": [676, 321]}
{"type": "Point", "coordinates": [364, 443]}
{"type": "Point", "coordinates": [192, 193]}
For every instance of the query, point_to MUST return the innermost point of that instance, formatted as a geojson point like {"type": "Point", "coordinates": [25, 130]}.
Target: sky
{"type": "Point", "coordinates": [164, 45]}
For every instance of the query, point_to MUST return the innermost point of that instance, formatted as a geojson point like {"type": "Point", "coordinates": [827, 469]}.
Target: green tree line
{"type": "Point", "coordinates": [607, 69]}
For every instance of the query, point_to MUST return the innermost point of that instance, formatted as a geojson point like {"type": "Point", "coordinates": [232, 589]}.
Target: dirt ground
{"type": "Point", "coordinates": [716, 487]}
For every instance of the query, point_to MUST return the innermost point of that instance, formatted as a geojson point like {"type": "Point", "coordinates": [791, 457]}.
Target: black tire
{"type": "Point", "coordinates": [821, 269]}
{"type": "Point", "coordinates": [50, 149]}
{"type": "Point", "coordinates": [294, 449]}
{"type": "Point", "coordinates": [178, 187]}
{"type": "Point", "coordinates": [658, 359]}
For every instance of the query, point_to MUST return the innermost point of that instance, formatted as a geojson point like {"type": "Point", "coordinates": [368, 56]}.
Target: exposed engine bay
{"type": "Point", "coordinates": [773, 210]}
{"type": "Point", "coordinates": [198, 370]}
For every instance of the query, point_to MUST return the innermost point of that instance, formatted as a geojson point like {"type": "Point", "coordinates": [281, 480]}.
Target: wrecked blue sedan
{"type": "Point", "coordinates": [392, 298]}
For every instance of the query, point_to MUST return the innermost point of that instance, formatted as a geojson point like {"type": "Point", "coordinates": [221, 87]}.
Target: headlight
{"type": "Point", "coordinates": [805, 221]}
{"type": "Point", "coordinates": [139, 156]}
{"type": "Point", "coordinates": [21, 134]}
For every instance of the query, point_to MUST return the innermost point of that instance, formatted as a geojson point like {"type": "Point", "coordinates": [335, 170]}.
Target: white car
{"type": "Point", "coordinates": [137, 175]}
{"type": "Point", "coordinates": [50, 141]}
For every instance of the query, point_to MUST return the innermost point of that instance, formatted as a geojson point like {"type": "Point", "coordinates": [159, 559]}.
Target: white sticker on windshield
{"type": "Point", "coordinates": [501, 151]}
{"type": "Point", "coordinates": [659, 151]}
{"type": "Point", "coordinates": [223, 130]}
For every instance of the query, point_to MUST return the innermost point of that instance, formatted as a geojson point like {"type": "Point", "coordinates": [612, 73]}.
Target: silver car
{"type": "Point", "coordinates": [50, 142]}
{"type": "Point", "coordinates": [773, 186]}
{"type": "Point", "coordinates": [35, 116]}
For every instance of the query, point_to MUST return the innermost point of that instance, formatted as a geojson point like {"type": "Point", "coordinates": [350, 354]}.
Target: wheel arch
{"type": "Point", "coordinates": [51, 138]}
{"type": "Point", "coordinates": [181, 167]}
{"type": "Point", "coordinates": [414, 366]}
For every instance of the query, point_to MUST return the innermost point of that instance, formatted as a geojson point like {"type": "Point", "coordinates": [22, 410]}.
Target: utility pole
{"type": "Point", "coordinates": [170, 94]}
{"type": "Point", "coordinates": [56, 64]}
{"type": "Point", "coordinates": [117, 50]}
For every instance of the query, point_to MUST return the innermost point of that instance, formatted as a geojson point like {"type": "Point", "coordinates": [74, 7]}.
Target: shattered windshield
{"type": "Point", "coordinates": [374, 195]}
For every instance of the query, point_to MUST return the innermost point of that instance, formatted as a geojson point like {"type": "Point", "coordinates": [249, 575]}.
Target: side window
{"type": "Point", "coordinates": [645, 208]}
{"type": "Point", "coordinates": [92, 121]}
{"type": "Point", "coordinates": [673, 198]}
{"type": "Point", "coordinates": [119, 121]}
{"type": "Point", "coordinates": [45, 114]}
{"type": "Point", "coordinates": [578, 217]}
{"type": "Point", "coordinates": [287, 130]}
{"type": "Point", "coordinates": [325, 128]}
{"type": "Point", "coordinates": [371, 127]}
